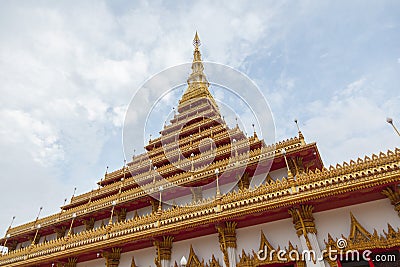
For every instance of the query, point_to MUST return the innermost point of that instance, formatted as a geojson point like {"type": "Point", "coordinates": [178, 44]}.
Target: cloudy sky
{"type": "Point", "coordinates": [68, 70]}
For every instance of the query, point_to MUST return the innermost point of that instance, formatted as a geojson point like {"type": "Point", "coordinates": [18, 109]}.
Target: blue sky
{"type": "Point", "coordinates": [69, 69]}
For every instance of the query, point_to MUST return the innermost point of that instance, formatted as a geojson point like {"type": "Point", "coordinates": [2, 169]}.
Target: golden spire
{"type": "Point", "coordinates": [196, 41]}
{"type": "Point", "coordinates": [197, 81]}
{"type": "Point", "coordinates": [197, 75]}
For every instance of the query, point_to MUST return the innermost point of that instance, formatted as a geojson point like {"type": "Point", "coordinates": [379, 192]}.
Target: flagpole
{"type": "Point", "coordinates": [7, 236]}
{"type": "Point", "coordinates": [72, 223]}
{"type": "Point", "coordinates": [36, 226]}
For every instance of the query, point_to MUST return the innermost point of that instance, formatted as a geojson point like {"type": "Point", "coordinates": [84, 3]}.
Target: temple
{"type": "Point", "coordinates": [205, 194]}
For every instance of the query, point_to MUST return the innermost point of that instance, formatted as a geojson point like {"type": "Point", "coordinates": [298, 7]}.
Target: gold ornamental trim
{"type": "Point", "coordinates": [303, 219]}
{"type": "Point", "coordinates": [227, 238]}
{"type": "Point", "coordinates": [253, 157]}
{"type": "Point", "coordinates": [254, 259]}
{"type": "Point", "coordinates": [381, 170]}
{"type": "Point", "coordinates": [394, 195]}
{"type": "Point", "coordinates": [163, 249]}
{"type": "Point", "coordinates": [360, 239]}
{"type": "Point", "coordinates": [112, 257]}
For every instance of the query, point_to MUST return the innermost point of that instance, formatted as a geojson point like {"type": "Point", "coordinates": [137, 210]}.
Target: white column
{"type": "Point", "coordinates": [165, 263]}
{"type": "Point", "coordinates": [223, 260]}
{"type": "Point", "coordinates": [316, 251]}
{"type": "Point", "coordinates": [231, 256]}
{"type": "Point", "coordinates": [304, 224]}
{"type": "Point", "coordinates": [227, 240]}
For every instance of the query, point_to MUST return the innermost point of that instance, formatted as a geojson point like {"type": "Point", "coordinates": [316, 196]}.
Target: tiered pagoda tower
{"type": "Point", "coordinates": [224, 195]}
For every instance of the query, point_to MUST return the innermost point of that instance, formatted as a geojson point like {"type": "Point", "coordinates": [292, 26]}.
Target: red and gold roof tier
{"type": "Point", "coordinates": [324, 189]}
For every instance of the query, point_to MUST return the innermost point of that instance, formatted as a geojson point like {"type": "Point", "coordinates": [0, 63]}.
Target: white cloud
{"type": "Point", "coordinates": [350, 125]}
{"type": "Point", "coordinates": [39, 138]}
{"type": "Point", "coordinates": [68, 73]}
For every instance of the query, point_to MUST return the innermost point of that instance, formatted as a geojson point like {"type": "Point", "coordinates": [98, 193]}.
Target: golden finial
{"type": "Point", "coordinates": [196, 54]}
{"type": "Point", "coordinates": [196, 41]}
{"type": "Point", "coordinates": [300, 133]}
{"type": "Point", "coordinates": [197, 81]}
{"type": "Point", "coordinates": [73, 194]}
{"type": "Point", "coordinates": [254, 130]}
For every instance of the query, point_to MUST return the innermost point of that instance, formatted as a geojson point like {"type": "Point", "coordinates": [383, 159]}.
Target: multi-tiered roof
{"type": "Point", "coordinates": [182, 156]}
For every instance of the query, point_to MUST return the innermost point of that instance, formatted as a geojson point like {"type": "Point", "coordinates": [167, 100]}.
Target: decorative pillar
{"type": "Point", "coordinates": [303, 221]}
{"type": "Point", "coordinates": [154, 205]}
{"type": "Point", "coordinates": [296, 165]}
{"type": "Point", "coordinates": [112, 257]}
{"type": "Point", "coordinates": [71, 262]}
{"type": "Point", "coordinates": [394, 196]}
{"type": "Point", "coordinates": [163, 251]}
{"type": "Point", "coordinates": [227, 243]}
{"type": "Point", "coordinates": [121, 215]}
{"type": "Point", "coordinates": [89, 224]}
{"type": "Point", "coordinates": [244, 181]}
{"type": "Point", "coordinates": [60, 232]}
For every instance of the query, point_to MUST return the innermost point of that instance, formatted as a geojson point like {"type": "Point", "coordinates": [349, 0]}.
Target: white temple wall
{"type": "Point", "coordinates": [278, 233]}
{"type": "Point", "coordinates": [204, 247]}
{"type": "Point", "coordinates": [143, 257]}
{"type": "Point", "coordinates": [373, 214]}
{"type": "Point", "coordinates": [93, 263]}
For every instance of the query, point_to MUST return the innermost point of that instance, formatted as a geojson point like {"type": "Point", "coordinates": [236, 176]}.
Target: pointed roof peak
{"type": "Point", "coordinates": [197, 81]}
{"type": "Point", "coordinates": [196, 41]}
